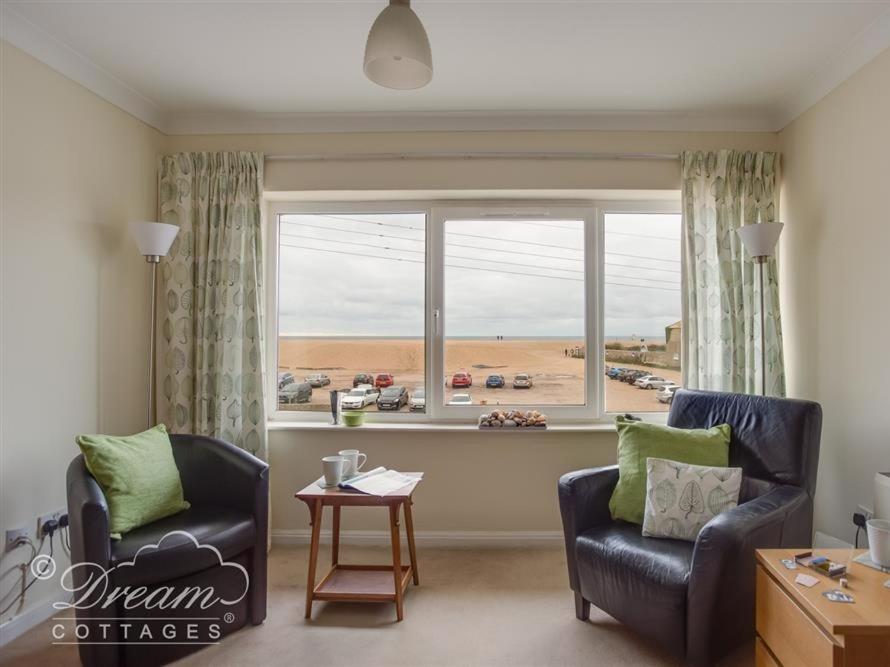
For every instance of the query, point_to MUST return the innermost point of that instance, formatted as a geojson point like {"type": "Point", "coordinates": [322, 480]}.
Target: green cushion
{"type": "Point", "coordinates": [138, 476]}
{"type": "Point", "coordinates": [638, 441]}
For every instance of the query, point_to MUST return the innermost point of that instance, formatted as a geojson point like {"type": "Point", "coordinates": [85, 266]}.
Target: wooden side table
{"type": "Point", "coordinates": [360, 583]}
{"type": "Point", "coordinates": [798, 626]}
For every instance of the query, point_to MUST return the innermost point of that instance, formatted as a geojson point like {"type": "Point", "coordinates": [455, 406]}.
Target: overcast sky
{"type": "Point", "coordinates": [356, 275]}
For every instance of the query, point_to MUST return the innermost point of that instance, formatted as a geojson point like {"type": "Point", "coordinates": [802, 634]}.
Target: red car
{"type": "Point", "coordinates": [383, 380]}
{"type": "Point", "coordinates": [462, 379]}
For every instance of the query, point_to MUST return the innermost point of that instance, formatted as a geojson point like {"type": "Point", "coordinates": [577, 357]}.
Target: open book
{"type": "Point", "coordinates": [380, 481]}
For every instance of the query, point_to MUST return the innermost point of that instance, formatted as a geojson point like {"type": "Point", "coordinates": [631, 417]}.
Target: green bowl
{"type": "Point", "coordinates": [352, 418]}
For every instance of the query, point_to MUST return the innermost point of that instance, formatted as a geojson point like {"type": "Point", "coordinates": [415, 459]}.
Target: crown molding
{"type": "Point", "coordinates": [43, 46]}
{"type": "Point", "coordinates": [863, 48]}
{"type": "Point", "coordinates": [38, 43]}
{"type": "Point", "coordinates": [465, 121]}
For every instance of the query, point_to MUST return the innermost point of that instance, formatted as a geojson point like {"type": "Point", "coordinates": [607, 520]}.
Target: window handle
{"type": "Point", "coordinates": [438, 319]}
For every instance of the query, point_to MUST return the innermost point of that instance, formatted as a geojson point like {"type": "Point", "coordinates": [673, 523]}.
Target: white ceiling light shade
{"type": "Point", "coordinates": [153, 238]}
{"type": "Point", "coordinates": [397, 53]}
{"type": "Point", "coordinates": [760, 239]}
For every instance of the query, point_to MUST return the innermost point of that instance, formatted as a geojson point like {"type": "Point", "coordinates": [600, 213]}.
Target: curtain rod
{"type": "Point", "coordinates": [518, 155]}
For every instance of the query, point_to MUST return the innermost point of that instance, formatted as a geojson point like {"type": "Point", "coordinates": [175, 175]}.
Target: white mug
{"type": "Point", "coordinates": [333, 467]}
{"type": "Point", "coordinates": [352, 462]}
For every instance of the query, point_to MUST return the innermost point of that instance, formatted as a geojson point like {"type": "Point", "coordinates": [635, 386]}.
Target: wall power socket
{"type": "Point", "coordinates": [12, 536]}
{"type": "Point", "coordinates": [867, 511]}
{"type": "Point", "coordinates": [45, 518]}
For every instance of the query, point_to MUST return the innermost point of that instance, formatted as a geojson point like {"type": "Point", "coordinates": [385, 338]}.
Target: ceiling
{"type": "Point", "coordinates": [194, 66]}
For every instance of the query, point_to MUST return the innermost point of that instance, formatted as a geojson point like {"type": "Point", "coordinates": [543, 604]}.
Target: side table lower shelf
{"type": "Point", "coordinates": [361, 583]}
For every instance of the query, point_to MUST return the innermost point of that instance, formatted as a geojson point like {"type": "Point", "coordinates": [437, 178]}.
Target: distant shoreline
{"type": "Point", "coordinates": [505, 337]}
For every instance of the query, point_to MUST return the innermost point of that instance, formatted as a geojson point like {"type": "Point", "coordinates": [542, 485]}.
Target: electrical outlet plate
{"type": "Point", "coordinates": [867, 511]}
{"type": "Point", "coordinates": [51, 516]}
{"type": "Point", "coordinates": [12, 535]}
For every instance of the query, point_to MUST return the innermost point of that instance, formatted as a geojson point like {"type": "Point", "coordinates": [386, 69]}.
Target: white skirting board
{"type": "Point", "coordinates": [32, 617]}
{"type": "Point", "coordinates": [826, 541]}
{"type": "Point", "coordinates": [432, 538]}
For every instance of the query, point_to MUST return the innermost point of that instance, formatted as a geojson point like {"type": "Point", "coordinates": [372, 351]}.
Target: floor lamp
{"type": "Point", "coordinates": [153, 240]}
{"type": "Point", "coordinates": [760, 242]}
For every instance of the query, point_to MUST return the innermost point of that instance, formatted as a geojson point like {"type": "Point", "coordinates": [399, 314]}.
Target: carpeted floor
{"type": "Point", "coordinates": [473, 607]}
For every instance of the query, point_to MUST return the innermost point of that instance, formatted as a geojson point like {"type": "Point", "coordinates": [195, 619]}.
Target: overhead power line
{"type": "Point", "coordinates": [498, 250]}
{"type": "Point", "coordinates": [470, 268]}
{"type": "Point", "coordinates": [477, 236]}
{"type": "Point", "coordinates": [352, 231]}
{"type": "Point", "coordinates": [420, 229]}
{"type": "Point", "coordinates": [657, 259]}
{"type": "Point", "coordinates": [482, 259]}
{"type": "Point", "coordinates": [575, 228]}
{"type": "Point", "coordinates": [644, 236]}
{"type": "Point", "coordinates": [641, 268]}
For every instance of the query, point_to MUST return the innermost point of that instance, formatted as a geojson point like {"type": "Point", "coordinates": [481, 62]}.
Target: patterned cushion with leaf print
{"type": "Point", "coordinates": [681, 498]}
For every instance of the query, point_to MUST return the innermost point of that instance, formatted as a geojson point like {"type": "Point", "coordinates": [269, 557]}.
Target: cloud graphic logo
{"type": "Point", "coordinates": [95, 589]}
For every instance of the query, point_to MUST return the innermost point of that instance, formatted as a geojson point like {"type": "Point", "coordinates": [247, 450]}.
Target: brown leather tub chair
{"type": "Point", "coordinates": [696, 599]}
{"type": "Point", "coordinates": [228, 490]}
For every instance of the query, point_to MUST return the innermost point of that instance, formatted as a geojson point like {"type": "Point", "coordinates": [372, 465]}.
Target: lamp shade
{"type": "Point", "coordinates": [153, 238]}
{"type": "Point", "coordinates": [760, 239]}
{"type": "Point", "coordinates": [397, 53]}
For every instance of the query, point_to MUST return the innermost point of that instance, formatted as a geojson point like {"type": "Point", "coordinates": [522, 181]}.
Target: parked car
{"type": "Point", "coordinates": [360, 397]}
{"type": "Point", "coordinates": [461, 399]}
{"type": "Point", "coordinates": [384, 380]}
{"type": "Point", "coordinates": [318, 380]}
{"type": "Point", "coordinates": [461, 379]}
{"type": "Point", "coordinates": [392, 398]}
{"type": "Point", "coordinates": [495, 381]}
{"type": "Point", "coordinates": [417, 400]}
{"type": "Point", "coordinates": [363, 378]}
{"type": "Point", "coordinates": [295, 392]}
{"type": "Point", "coordinates": [285, 379]}
{"type": "Point", "coordinates": [614, 373]}
{"type": "Point", "coordinates": [522, 381]}
{"type": "Point", "coordinates": [633, 376]}
{"type": "Point", "coordinates": [666, 393]}
{"type": "Point", "coordinates": [651, 382]}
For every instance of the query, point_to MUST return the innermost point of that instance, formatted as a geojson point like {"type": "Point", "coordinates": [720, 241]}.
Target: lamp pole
{"type": "Point", "coordinates": [760, 240]}
{"type": "Point", "coordinates": [154, 260]}
{"type": "Point", "coordinates": [761, 261]}
{"type": "Point", "coordinates": [154, 240]}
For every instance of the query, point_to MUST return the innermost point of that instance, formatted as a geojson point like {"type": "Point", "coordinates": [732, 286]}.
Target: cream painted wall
{"type": "Point", "coordinates": [457, 494]}
{"type": "Point", "coordinates": [835, 282]}
{"type": "Point", "coordinates": [74, 289]}
{"type": "Point", "coordinates": [473, 481]}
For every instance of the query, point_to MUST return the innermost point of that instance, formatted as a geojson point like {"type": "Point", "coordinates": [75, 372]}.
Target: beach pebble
{"type": "Point", "coordinates": [513, 419]}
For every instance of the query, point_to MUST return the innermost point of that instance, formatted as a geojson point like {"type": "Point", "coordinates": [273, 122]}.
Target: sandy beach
{"type": "Point", "coordinates": [558, 379]}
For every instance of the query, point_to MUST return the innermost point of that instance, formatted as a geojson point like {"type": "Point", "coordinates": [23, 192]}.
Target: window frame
{"type": "Point", "coordinates": [592, 212]}
{"type": "Point", "coordinates": [591, 410]}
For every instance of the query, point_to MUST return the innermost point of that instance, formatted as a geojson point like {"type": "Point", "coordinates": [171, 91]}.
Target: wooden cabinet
{"type": "Point", "coordinates": [799, 627]}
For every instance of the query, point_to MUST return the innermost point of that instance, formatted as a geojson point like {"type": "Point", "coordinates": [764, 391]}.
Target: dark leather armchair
{"type": "Point", "coordinates": [228, 490]}
{"type": "Point", "coordinates": [697, 599]}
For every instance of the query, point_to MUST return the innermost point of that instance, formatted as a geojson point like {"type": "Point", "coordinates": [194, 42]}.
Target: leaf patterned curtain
{"type": "Point", "coordinates": [722, 191]}
{"type": "Point", "coordinates": [210, 360]}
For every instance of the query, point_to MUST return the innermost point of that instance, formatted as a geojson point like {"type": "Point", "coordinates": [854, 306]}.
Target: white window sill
{"type": "Point", "coordinates": [407, 427]}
